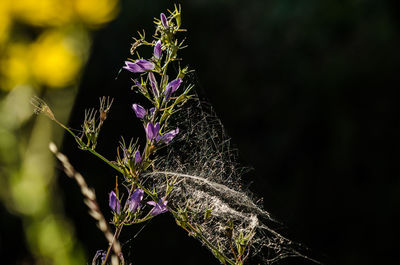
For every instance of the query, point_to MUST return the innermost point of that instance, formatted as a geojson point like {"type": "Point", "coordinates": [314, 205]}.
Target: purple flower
{"type": "Point", "coordinates": [172, 87]}
{"type": "Point", "coordinates": [164, 20]}
{"type": "Point", "coordinates": [134, 200]}
{"type": "Point", "coordinates": [114, 203]}
{"type": "Point", "coordinates": [153, 83]}
{"type": "Point", "coordinates": [140, 66]}
{"type": "Point", "coordinates": [157, 50]}
{"type": "Point", "coordinates": [99, 254]}
{"type": "Point", "coordinates": [166, 138]}
{"type": "Point", "coordinates": [152, 130]}
{"type": "Point", "coordinates": [139, 111]}
{"type": "Point", "coordinates": [160, 207]}
{"type": "Point", "coordinates": [138, 158]}
{"type": "Point", "coordinates": [152, 111]}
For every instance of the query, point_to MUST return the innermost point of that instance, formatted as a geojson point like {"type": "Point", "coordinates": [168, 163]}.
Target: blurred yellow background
{"type": "Point", "coordinates": [44, 45]}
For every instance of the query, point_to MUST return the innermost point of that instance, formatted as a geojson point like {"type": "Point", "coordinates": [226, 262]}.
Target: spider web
{"type": "Point", "coordinates": [208, 179]}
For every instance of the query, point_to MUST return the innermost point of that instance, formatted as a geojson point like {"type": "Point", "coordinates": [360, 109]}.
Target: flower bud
{"type": "Point", "coordinates": [140, 66]}
{"type": "Point", "coordinates": [164, 20]}
{"type": "Point", "coordinates": [157, 50]}
{"type": "Point", "coordinates": [114, 203]}
{"type": "Point", "coordinates": [172, 87]}
{"type": "Point", "coordinates": [139, 111]}
{"type": "Point", "coordinates": [152, 131]}
{"type": "Point", "coordinates": [153, 83]}
{"type": "Point", "coordinates": [138, 157]}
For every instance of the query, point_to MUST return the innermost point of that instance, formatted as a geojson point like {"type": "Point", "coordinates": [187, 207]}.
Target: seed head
{"type": "Point", "coordinates": [42, 107]}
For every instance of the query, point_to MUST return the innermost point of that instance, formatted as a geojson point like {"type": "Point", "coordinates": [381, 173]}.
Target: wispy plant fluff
{"type": "Point", "coordinates": [195, 179]}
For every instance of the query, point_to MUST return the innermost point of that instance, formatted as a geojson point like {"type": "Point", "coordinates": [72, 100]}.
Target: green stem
{"type": "Point", "coordinates": [84, 147]}
{"type": "Point", "coordinates": [105, 160]}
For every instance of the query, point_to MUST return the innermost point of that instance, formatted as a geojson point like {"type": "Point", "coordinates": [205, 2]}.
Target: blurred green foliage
{"type": "Point", "coordinates": [43, 48]}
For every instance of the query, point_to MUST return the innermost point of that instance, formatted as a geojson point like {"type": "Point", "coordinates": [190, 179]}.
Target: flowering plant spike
{"type": "Point", "coordinates": [197, 182]}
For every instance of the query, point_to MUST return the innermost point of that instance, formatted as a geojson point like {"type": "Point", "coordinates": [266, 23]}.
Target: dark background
{"type": "Point", "coordinates": [308, 92]}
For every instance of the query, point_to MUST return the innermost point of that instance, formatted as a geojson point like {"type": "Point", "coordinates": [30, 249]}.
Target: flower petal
{"type": "Point", "coordinates": [135, 199]}
{"type": "Point", "coordinates": [156, 129]}
{"type": "Point", "coordinates": [145, 65]}
{"type": "Point", "coordinates": [159, 208]}
{"type": "Point", "coordinates": [153, 203]}
{"type": "Point", "coordinates": [166, 138]}
{"type": "Point", "coordinates": [132, 67]}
